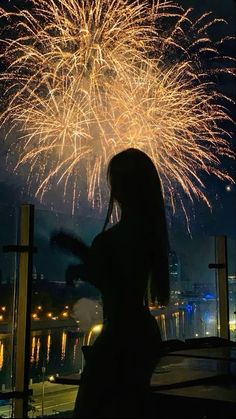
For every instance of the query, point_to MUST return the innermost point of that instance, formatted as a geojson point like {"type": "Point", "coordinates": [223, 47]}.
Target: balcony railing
{"type": "Point", "coordinates": [42, 324]}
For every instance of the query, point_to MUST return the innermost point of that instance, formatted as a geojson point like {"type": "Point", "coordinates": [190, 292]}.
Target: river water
{"type": "Point", "coordinates": [54, 349]}
{"type": "Point", "coordinates": [60, 352]}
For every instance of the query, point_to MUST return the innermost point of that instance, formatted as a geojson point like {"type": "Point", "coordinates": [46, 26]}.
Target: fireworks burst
{"type": "Point", "coordinates": [85, 80]}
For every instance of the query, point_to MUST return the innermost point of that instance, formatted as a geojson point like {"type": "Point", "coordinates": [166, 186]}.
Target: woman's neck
{"type": "Point", "coordinates": [130, 213]}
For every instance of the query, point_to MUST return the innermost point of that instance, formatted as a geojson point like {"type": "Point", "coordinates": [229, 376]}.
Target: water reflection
{"type": "Point", "coordinates": [63, 345]}
{"type": "Point", "coordinates": [38, 344]}
{"type": "Point", "coordinates": [66, 350]}
{"type": "Point", "coordinates": [48, 347]}
{"type": "Point", "coordinates": [32, 350]}
{"type": "Point", "coordinates": [196, 320]}
{"type": "Point", "coordinates": [162, 324]}
{"type": "Point", "coordinates": [56, 350]}
{"type": "Point", "coordinates": [75, 350]}
{"type": "Point", "coordinates": [1, 354]}
{"type": "Point", "coordinates": [35, 350]}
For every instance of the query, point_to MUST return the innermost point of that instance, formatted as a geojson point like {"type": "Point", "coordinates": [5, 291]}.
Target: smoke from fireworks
{"type": "Point", "coordinates": [85, 80]}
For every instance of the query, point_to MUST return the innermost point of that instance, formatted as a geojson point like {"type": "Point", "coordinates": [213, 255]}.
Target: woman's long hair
{"type": "Point", "coordinates": [135, 185]}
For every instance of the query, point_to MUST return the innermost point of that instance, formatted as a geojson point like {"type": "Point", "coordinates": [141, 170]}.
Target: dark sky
{"type": "Point", "coordinates": [222, 219]}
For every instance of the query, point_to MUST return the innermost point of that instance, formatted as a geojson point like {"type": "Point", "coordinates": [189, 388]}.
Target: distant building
{"type": "Point", "coordinates": [232, 284]}
{"type": "Point", "coordinates": [232, 296]}
{"type": "Point", "coordinates": [34, 274]}
{"type": "Point", "coordinates": [174, 270]}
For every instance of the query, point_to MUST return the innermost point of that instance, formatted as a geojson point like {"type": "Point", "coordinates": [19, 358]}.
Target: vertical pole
{"type": "Point", "coordinates": [24, 310]}
{"type": "Point", "coordinates": [222, 281]}
{"type": "Point", "coordinates": [43, 388]}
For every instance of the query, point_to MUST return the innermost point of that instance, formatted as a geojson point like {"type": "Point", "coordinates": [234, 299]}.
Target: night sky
{"type": "Point", "coordinates": [222, 219]}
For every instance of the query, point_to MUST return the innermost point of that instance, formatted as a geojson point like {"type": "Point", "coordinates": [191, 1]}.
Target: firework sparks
{"type": "Point", "coordinates": [85, 80]}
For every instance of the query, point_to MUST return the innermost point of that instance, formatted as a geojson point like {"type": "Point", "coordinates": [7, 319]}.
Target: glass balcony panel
{"type": "Point", "coordinates": [65, 315]}
{"type": "Point", "coordinates": [8, 284]}
{"type": "Point", "coordinates": [232, 287]}
{"type": "Point", "coordinates": [193, 308]}
{"type": "Point", "coordinates": [62, 313]}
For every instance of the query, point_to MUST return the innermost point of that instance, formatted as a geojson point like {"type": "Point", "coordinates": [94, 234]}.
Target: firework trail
{"type": "Point", "coordinates": [85, 80]}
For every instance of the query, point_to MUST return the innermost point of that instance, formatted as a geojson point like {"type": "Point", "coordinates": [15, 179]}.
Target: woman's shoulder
{"type": "Point", "coordinates": [108, 239]}
{"type": "Point", "coordinates": [106, 236]}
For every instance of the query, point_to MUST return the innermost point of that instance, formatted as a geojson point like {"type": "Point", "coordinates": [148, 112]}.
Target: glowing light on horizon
{"type": "Point", "coordinates": [85, 80]}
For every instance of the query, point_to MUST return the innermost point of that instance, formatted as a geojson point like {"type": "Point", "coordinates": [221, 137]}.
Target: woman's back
{"type": "Point", "coordinates": [120, 259]}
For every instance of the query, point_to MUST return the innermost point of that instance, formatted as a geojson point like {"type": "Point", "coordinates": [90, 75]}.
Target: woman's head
{"type": "Point", "coordinates": [134, 180]}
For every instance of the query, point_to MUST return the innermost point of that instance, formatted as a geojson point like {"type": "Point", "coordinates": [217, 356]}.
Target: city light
{"type": "Point", "coordinates": [96, 329]}
{"type": "Point", "coordinates": [1, 317]}
{"type": "Point", "coordinates": [232, 325]}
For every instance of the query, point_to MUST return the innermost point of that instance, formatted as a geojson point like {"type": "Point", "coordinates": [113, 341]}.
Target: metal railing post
{"type": "Point", "coordinates": [23, 318]}
{"type": "Point", "coordinates": [221, 266]}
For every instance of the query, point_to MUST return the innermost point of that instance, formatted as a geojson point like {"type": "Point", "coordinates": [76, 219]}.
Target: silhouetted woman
{"type": "Point", "coordinates": [128, 263]}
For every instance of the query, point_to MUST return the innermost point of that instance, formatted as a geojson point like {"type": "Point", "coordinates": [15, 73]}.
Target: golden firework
{"type": "Point", "coordinates": [85, 80]}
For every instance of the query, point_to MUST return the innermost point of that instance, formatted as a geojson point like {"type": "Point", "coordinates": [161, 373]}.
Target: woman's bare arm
{"type": "Point", "coordinates": [70, 244]}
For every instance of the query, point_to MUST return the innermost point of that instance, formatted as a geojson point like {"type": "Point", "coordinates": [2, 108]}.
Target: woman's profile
{"type": "Point", "coordinates": [128, 263]}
